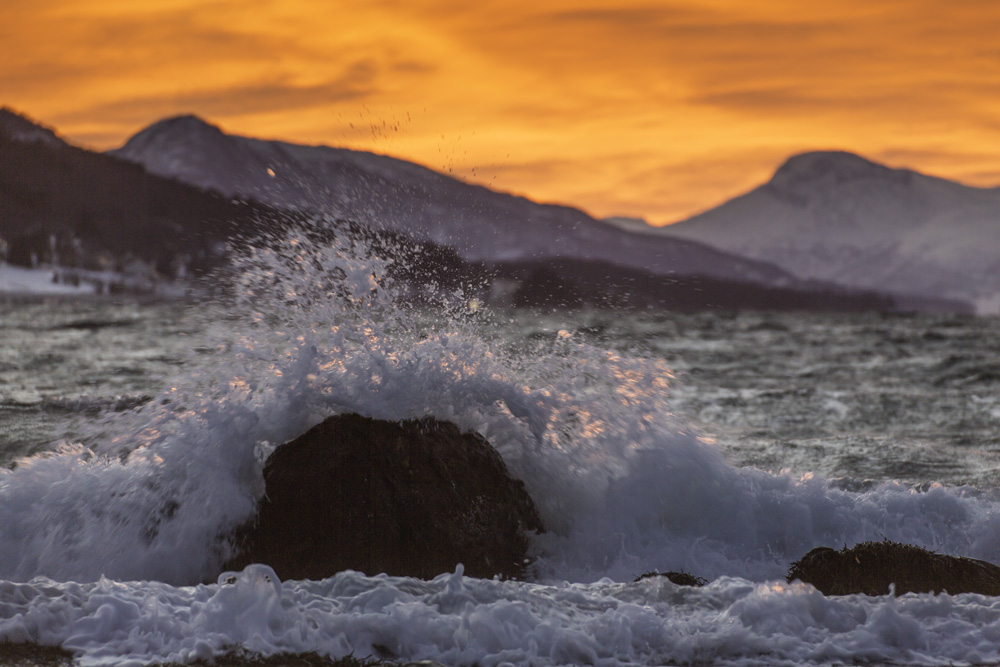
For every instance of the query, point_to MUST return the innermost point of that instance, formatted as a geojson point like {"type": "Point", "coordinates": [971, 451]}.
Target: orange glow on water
{"type": "Point", "coordinates": [648, 108]}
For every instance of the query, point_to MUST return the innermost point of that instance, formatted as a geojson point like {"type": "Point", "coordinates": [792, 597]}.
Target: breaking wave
{"type": "Point", "coordinates": [311, 329]}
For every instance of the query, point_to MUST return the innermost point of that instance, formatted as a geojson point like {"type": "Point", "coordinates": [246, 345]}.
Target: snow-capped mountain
{"type": "Point", "coordinates": [388, 193]}
{"type": "Point", "coordinates": [838, 217]}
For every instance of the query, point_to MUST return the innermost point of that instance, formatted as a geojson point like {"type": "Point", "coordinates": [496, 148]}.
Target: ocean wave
{"type": "Point", "coordinates": [151, 494]}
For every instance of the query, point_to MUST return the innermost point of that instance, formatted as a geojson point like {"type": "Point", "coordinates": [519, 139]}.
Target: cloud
{"type": "Point", "coordinates": [42, 77]}
{"type": "Point", "coordinates": [650, 184]}
{"type": "Point", "coordinates": [630, 20]}
{"type": "Point", "coordinates": [414, 67]}
{"type": "Point", "coordinates": [976, 166]}
{"type": "Point", "coordinates": [357, 82]}
{"type": "Point", "coordinates": [660, 103]}
{"type": "Point", "coordinates": [786, 99]}
{"type": "Point", "coordinates": [988, 178]}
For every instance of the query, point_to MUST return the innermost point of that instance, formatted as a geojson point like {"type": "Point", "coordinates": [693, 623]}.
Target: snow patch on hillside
{"type": "Point", "coordinates": [24, 281]}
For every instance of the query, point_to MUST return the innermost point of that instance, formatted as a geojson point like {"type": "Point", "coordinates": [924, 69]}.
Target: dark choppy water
{"type": "Point", "coordinates": [865, 396]}
{"type": "Point", "coordinates": [62, 361]}
{"type": "Point", "coordinates": [871, 397]}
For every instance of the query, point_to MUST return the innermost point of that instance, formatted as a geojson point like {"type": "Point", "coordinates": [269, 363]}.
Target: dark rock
{"type": "Point", "coordinates": [679, 578]}
{"type": "Point", "coordinates": [33, 655]}
{"type": "Point", "coordinates": [410, 498]}
{"type": "Point", "coordinates": [870, 567]}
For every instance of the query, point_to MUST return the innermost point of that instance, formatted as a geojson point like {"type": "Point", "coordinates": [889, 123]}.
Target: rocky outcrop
{"type": "Point", "coordinates": [410, 498]}
{"type": "Point", "coordinates": [870, 567]}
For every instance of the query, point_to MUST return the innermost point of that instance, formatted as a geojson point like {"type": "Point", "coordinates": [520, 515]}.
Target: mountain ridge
{"type": "Point", "coordinates": [89, 205]}
{"type": "Point", "coordinates": [836, 216]}
{"type": "Point", "coordinates": [387, 193]}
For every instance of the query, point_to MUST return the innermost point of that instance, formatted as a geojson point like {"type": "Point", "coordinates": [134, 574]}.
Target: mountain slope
{"type": "Point", "coordinates": [838, 217]}
{"type": "Point", "coordinates": [383, 192]}
{"type": "Point", "coordinates": [20, 128]}
{"type": "Point", "coordinates": [68, 206]}
{"type": "Point", "coordinates": [106, 221]}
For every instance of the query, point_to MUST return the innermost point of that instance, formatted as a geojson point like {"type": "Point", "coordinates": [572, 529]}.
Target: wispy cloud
{"type": "Point", "coordinates": [644, 107]}
{"type": "Point", "coordinates": [358, 82]}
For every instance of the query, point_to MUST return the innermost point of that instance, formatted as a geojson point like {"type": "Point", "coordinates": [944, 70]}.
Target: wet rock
{"type": "Point", "coordinates": [17, 654]}
{"type": "Point", "coordinates": [410, 498]}
{"type": "Point", "coordinates": [679, 578]}
{"type": "Point", "coordinates": [870, 567]}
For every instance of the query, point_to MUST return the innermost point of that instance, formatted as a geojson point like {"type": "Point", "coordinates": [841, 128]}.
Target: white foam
{"type": "Point", "coordinates": [458, 620]}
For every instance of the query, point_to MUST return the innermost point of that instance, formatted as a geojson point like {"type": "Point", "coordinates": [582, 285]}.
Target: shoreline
{"type": "Point", "coordinates": [21, 284]}
{"type": "Point", "coordinates": [27, 654]}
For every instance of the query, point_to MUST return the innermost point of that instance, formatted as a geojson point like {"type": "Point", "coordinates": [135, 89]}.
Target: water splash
{"type": "Point", "coordinates": [316, 324]}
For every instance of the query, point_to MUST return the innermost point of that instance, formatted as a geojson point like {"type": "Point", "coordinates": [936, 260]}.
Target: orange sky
{"type": "Point", "coordinates": [650, 108]}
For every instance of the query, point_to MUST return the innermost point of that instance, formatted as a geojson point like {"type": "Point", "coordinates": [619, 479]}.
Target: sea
{"type": "Point", "coordinates": [722, 444]}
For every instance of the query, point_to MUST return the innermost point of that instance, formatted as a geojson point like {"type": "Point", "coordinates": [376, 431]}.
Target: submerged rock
{"type": "Point", "coordinates": [411, 498]}
{"type": "Point", "coordinates": [870, 567]}
{"type": "Point", "coordinates": [678, 578]}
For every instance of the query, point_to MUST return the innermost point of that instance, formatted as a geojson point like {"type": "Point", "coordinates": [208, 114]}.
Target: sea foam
{"type": "Point", "coordinates": [457, 620]}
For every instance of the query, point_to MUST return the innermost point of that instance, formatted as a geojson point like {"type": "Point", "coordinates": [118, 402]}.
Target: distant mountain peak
{"type": "Point", "coordinates": [19, 127]}
{"type": "Point", "coordinates": [835, 216]}
{"type": "Point", "coordinates": [831, 168]}
{"type": "Point", "coordinates": [184, 120]}
{"type": "Point", "coordinates": [180, 143]}
{"type": "Point", "coordinates": [186, 124]}
{"type": "Point", "coordinates": [386, 193]}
